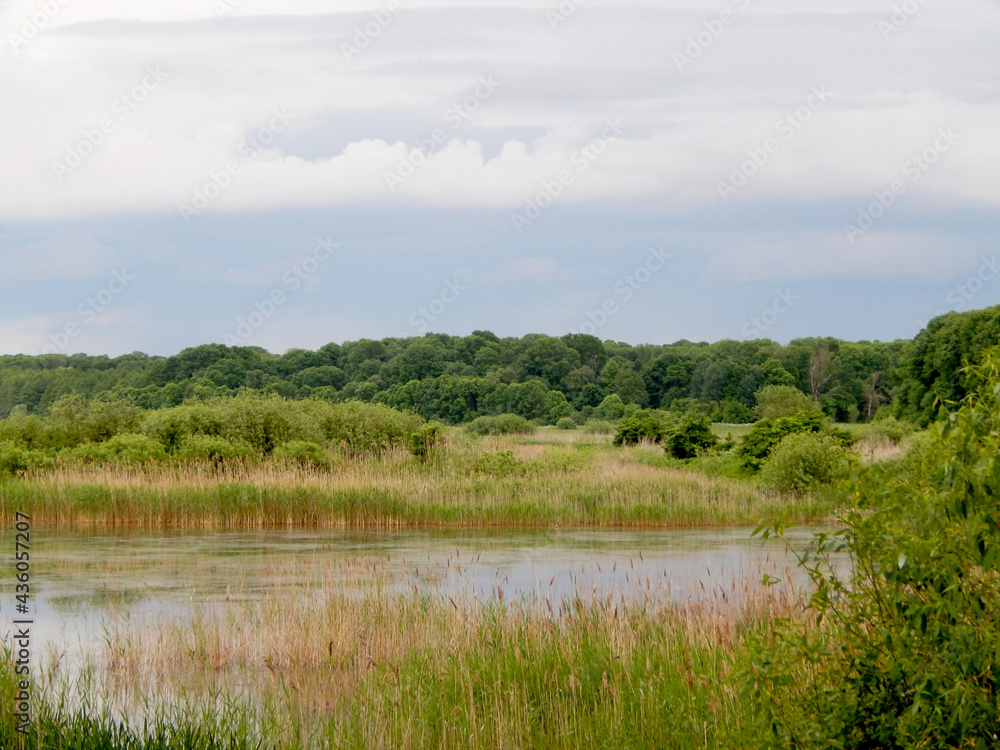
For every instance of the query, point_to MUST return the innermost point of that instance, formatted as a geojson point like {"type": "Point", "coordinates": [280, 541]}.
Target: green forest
{"type": "Point", "coordinates": [455, 379]}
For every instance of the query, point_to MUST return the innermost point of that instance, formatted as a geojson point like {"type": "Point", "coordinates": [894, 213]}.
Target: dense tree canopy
{"type": "Point", "coordinates": [457, 378]}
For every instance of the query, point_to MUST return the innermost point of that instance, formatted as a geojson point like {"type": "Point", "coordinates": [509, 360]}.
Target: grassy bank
{"type": "Point", "coordinates": [470, 482]}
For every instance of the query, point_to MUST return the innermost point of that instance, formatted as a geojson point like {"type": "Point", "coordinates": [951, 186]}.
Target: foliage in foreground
{"type": "Point", "coordinates": [904, 653]}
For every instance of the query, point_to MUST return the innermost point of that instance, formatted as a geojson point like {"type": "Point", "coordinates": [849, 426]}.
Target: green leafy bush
{"type": "Point", "coordinates": [566, 423]}
{"type": "Point", "coordinates": [303, 453]}
{"type": "Point", "coordinates": [503, 424]}
{"type": "Point", "coordinates": [612, 408]}
{"type": "Point", "coordinates": [643, 427]}
{"type": "Point", "coordinates": [130, 448]}
{"type": "Point", "coordinates": [216, 450]}
{"type": "Point", "coordinates": [765, 435]}
{"type": "Point", "coordinates": [501, 464]}
{"type": "Point", "coordinates": [692, 436]}
{"type": "Point", "coordinates": [13, 458]}
{"type": "Point", "coordinates": [776, 401]}
{"type": "Point", "coordinates": [802, 461]}
{"type": "Point", "coordinates": [426, 440]}
{"type": "Point", "coordinates": [903, 650]}
{"type": "Point", "coordinates": [598, 427]}
{"type": "Point", "coordinates": [357, 427]}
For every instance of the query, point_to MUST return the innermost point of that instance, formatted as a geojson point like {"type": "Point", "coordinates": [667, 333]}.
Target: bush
{"type": "Point", "coordinates": [504, 424]}
{"type": "Point", "coordinates": [802, 461]}
{"type": "Point", "coordinates": [639, 428]}
{"type": "Point", "coordinates": [502, 464]}
{"type": "Point", "coordinates": [358, 427]}
{"type": "Point", "coordinates": [904, 650]}
{"type": "Point", "coordinates": [426, 440]}
{"type": "Point", "coordinates": [612, 408]}
{"type": "Point", "coordinates": [598, 427]}
{"type": "Point", "coordinates": [733, 412]}
{"type": "Point", "coordinates": [765, 435]}
{"type": "Point", "coordinates": [776, 401]}
{"type": "Point", "coordinates": [217, 450]}
{"type": "Point", "coordinates": [130, 448]}
{"type": "Point", "coordinates": [303, 453]}
{"type": "Point", "coordinates": [13, 458]}
{"type": "Point", "coordinates": [566, 423]}
{"type": "Point", "coordinates": [690, 438]}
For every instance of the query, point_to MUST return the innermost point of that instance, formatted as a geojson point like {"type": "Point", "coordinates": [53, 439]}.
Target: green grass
{"type": "Point", "coordinates": [527, 486]}
{"type": "Point", "coordinates": [414, 671]}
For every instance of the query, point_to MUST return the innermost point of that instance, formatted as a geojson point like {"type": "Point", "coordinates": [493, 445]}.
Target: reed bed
{"type": "Point", "coordinates": [417, 670]}
{"type": "Point", "coordinates": [541, 485]}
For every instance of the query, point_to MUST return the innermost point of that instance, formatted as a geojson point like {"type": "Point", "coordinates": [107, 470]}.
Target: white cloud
{"type": "Point", "coordinates": [686, 130]}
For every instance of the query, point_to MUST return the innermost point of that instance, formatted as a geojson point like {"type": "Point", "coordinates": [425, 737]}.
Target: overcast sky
{"type": "Point", "coordinates": [285, 174]}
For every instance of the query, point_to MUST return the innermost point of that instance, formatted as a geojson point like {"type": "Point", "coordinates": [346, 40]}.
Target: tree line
{"type": "Point", "coordinates": [455, 379]}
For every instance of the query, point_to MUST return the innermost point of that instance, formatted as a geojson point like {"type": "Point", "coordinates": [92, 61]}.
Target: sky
{"type": "Point", "coordinates": [287, 174]}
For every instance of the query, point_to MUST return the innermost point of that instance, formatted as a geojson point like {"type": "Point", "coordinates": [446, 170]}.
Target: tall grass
{"type": "Point", "coordinates": [421, 671]}
{"type": "Point", "coordinates": [546, 485]}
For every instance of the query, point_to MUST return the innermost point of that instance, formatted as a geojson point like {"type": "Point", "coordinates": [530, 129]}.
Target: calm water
{"type": "Point", "coordinates": [80, 580]}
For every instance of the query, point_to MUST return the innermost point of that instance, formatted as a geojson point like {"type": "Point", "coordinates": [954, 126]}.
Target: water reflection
{"type": "Point", "coordinates": [81, 579]}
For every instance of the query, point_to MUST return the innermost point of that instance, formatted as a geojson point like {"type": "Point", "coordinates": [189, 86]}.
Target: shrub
{"type": "Point", "coordinates": [78, 420]}
{"type": "Point", "coordinates": [776, 401]}
{"type": "Point", "coordinates": [733, 412]}
{"type": "Point", "coordinates": [639, 428]}
{"type": "Point", "coordinates": [174, 426]}
{"type": "Point", "coordinates": [358, 427]}
{"type": "Point", "coordinates": [612, 408]}
{"type": "Point", "coordinates": [802, 461]}
{"type": "Point", "coordinates": [130, 448]}
{"type": "Point", "coordinates": [303, 453]}
{"type": "Point", "coordinates": [690, 438]}
{"type": "Point", "coordinates": [504, 424]}
{"type": "Point", "coordinates": [501, 464]}
{"type": "Point", "coordinates": [13, 458]}
{"type": "Point", "coordinates": [598, 427]}
{"type": "Point", "coordinates": [217, 450]}
{"type": "Point", "coordinates": [426, 440]}
{"type": "Point", "coordinates": [902, 650]}
{"type": "Point", "coordinates": [566, 423]}
{"type": "Point", "coordinates": [765, 435]}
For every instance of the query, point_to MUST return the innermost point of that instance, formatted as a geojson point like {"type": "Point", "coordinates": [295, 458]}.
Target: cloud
{"type": "Point", "coordinates": [687, 129]}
